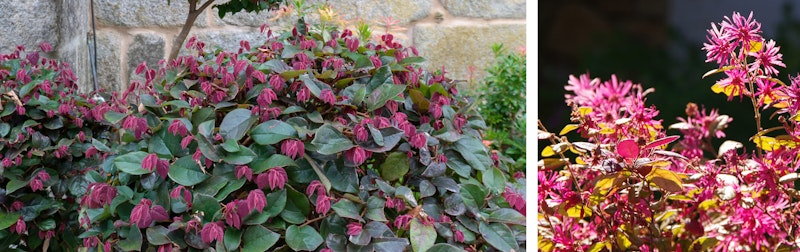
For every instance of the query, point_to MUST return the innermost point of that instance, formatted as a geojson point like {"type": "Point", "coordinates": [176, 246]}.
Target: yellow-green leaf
{"type": "Point", "coordinates": [707, 204]}
{"type": "Point", "coordinates": [568, 128]}
{"type": "Point", "coordinates": [729, 90]}
{"type": "Point", "coordinates": [597, 247]}
{"type": "Point", "coordinates": [605, 183]}
{"type": "Point", "coordinates": [583, 111]}
{"type": "Point", "coordinates": [548, 152]}
{"type": "Point", "coordinates": [665, 179]}
{"type": "Point", "coordinates": [623, 241]}
{"type": "Point", "coordinates": [551, 163]}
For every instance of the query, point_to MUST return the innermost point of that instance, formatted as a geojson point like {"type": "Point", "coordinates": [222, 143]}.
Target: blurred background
{"type": "Point", "coordinates": [656, 43]}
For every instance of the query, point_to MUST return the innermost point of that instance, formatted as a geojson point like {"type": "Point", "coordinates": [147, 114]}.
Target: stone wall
{"type": "Point", "coordinates": [456, 34]}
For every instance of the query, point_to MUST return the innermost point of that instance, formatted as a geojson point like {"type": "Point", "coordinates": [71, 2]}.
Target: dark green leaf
{"type": "Point", "coordinates": [347, 209]}
{"type": "Point", "coordinates": [383, 93]}
{"type": "Point", "coordinates": [297, 207]}
{"type": "Point", "coordinates": [303, 238]}
{"type": "Point", "coordinates": [473, 151]}
{"type": "Point", "coordinates": [499, 236]}
{"type": "Point", "coordinates": [506, 215]}
{"type": "Point", "coordinates": [258, 239]}
{"type": "Point", "coordinates": [236, 123]}
{"type": "Point", "coordinates": [405, 193]}
{"type": "Point", "coordinates": [473, 196]}
{"type": "Point", "coordinates": [208, 149]}
{"type": "Point", "coordinates": [329, 140]}
{"type": "Point", "coordinates": [7, 219]}
{"type": "Point", "coordinates": [131, 163]}
{"type": "Point", "coordinates": [276, 202]}
{"type": "Point", "coordinates": [206, 205]}
{"type": "Point", "coordinates": [114, 117]}
{"type": "Point", "coordinates": [422, 236]}
{"type": "Point", "coordinates": [229, 188]}
{"type": "Point", "coordinates": [271, 132]}
{"type": "Point", "coordinates": [14, 185]}
{"type": "Point", "coordinates": [343, 179]}
{"type": "Point", "coordinates": [395, 166]}
{"type": "Point", "coordinates": [494, 180]}
{"type": "Point", "coordinates": [243, 156]}
{"type": "Point", "coordinates": [381, 76]}
{"type": "Point", "coordinates": [274, 160]}
{"type": "Point", "coordinates": [444, 247]}
{"type": "Point", "coordinates": [187, 172]}
{"type": "Point", "coordinates": [4, 129]}
{"type": "Point", "coordinates": [391, 136]}
{"type": "Point", "coordinates": [375, 209]}
{"type": "Point", "coordinates": [133, 241]}
{"type": "Point", "coordinates": [232, 238]}
{"type": "Point", "coordinates": [157, 235]}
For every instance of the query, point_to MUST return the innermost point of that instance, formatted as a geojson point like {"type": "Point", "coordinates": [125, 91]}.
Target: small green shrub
{"type": "Point", "coordinates": [50, 138]}
{"type": "Point", "coordinates": [312, 141]}
{"type": "Point", "coordinates": [503, 104]}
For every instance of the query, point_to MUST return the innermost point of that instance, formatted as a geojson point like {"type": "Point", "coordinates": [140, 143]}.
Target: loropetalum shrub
{"type": "Point", "coordinates": [311, 141]}
{"type": "Point", "coordinates": [50, 137]}
{"type": "Point", "coordinates": [502, 105]}
{"type": "Point", "coordinates": [624, 188]}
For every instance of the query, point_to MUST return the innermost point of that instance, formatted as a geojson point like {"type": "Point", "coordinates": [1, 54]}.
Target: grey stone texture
{"type": "Point", "coordinates": [227, 40]}
{"type": "Point", "coordinates": [28, 23]}
{"type": "Point", "coordinates": [109, 58]}
{"type": "Point", "coordinates": [145, 13]}
{"type": "Point", "coordinates": [72, 47]}
{"type": "Point", "coordinates": [146, 47]}
{"type": "Point", "coordinates": [486, 8]}
{"type": "Point", "coordinates": [456, 47]}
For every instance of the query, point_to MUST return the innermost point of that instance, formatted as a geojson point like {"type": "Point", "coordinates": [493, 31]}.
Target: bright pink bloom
{"type": "Point", "coordinates": [357, 155]}
{"type": "Point", "coordinates": [402, 221]}
{"type": "Point", "coordinates": [768, 58]}
{"type": "Point", "coordinates": [186, 141]}
{"type": "Point", "coordinates": [323, 204]}
{"type": "Point", "coordinates": [266, 97]}
{"type": "Point", "coordinates": [212, 231]}
{"type": "Point", "coordinates": [244, 171]}
{"type": "Point", "coordinates": [315, 187]}
{"type": "Point", "coordinates": [19, 227]}
{"type": "Point", "coordinates": [150, 162]}
{"type": "Point", "coordinates": [277, 82]}
{"type": "Point", "coordinates": [277, 177]}
{"type": "Point", "coordinates": [418, 141]}
{"type": "Point", "coordinates": [515, 200]}
{"type": "Point", "coordinates": [46, 234]}
{"type": "Point", "coordinates": [303, 94]}
{"type": "Point", "coordinates": [327, 96]}
{"type": "Point", "coordinates": [458, 235]}
{"type": "Point", "coordinates": [744, 30]}
{"type": "Point", "coordinates": [36, 184]}
{"type": "Point", "coordinates": [98, 195]}
{"type": "Point", "coordinates": [178, 128]}
{"type": "Point", "coordinates": [361, 133]}
{"type": "Point", "coordinates": [181, 191]}
{"type": "Point", "coordinates": [140, 215]}
{"type": "Point", "coordinates": [292, 148]}
{"type": "Point", "coordinates": [256, 200]}
{"type": "Point", "coordinates": [231, 215]}
{"type": "Point", "coordinates": [354, 228]}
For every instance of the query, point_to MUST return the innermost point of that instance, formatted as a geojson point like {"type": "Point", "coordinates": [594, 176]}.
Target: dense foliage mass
{"type": "Point", "coordinates": [502, 95]}
{"type": "Point", "coordinates": [50, 138]}
{"type": "Point", "coordinates": [625, 188]}
{"type": "Point", "coordinates": [314, 140]}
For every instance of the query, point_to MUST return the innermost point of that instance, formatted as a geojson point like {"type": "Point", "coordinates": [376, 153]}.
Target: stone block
{"type": "Point", "coordinates": [74, 24]}
{"type": "Point", "coordinates": [144, 13]}
{"type": "Point", "coordinates": [146, 47]}
{"type": "Point", "coordinates": [109, 61]}
{"type": "Point", "coordinates": [486, 9]}
{"type": "Point", "coordinates": [228, 40]}
{"type": "Point", "coordinates": [28, 23]}
{"type": "Point", "coordinates": [457, 47]}
{"type": "Point", "coordinates": [404, 11]}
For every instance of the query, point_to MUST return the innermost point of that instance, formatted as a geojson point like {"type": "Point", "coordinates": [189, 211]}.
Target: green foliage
{"type": "Point", "coordinates": [52, 143]}
{"type": "Point", "coordinates": [234, 6]}
{"type": "Point", "coordinates": [503, 104]}
{"type": "Point", "coordinates": [314, 139]}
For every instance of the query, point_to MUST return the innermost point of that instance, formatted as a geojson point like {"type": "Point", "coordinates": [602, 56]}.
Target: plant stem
{"type": "Point", "coordinates": [194, 12]}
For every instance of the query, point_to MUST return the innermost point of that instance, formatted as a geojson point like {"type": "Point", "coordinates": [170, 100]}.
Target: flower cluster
{"type": "Point", "coordinates": [625, 188]}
